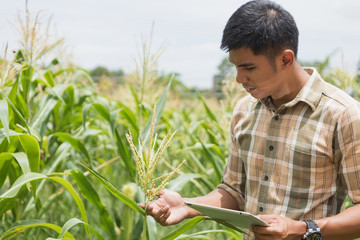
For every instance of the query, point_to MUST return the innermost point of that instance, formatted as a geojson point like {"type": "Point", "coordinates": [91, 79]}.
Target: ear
{"type": "Point", "coordinates": [287, 58]}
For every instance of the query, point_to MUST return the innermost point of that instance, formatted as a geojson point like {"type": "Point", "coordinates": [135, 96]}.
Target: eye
{"type": "Point", "coordinates": [249, 68]}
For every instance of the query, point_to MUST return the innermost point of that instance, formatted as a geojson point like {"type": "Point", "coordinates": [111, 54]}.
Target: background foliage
{"type": "Point", "coordinates": [66, 169]}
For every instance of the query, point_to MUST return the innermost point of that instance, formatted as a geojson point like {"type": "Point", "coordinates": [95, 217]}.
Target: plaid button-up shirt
{"type": "Point", "coordinates": [299, 160]}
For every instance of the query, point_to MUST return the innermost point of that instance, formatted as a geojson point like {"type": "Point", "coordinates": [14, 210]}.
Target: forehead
{"type": "Point", "coordinates": [241, 56]}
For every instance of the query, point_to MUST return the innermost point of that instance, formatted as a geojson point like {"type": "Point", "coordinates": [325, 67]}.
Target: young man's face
{"type": "Point", "coordinates": [256, 74]}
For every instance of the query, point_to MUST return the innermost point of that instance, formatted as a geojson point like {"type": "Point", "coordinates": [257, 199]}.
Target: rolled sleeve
{"type": "Point", "coordinates": [233, 192]}
{"type": "Point", "coordinates": [349, 144]}
{"type": "Point", "coordinates": [234, 175]}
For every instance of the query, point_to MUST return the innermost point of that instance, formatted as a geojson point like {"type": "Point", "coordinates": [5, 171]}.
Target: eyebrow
{"type": "Point", "coordinates": [246, 65]}
{"type": "Point", "coordinates": [242, 65]}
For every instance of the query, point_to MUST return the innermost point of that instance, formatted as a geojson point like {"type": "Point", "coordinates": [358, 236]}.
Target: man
{"type": "Point", "coordinates": [295, 149]}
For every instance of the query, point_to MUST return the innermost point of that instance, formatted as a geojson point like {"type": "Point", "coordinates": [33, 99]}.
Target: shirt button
{"type": "Point", "coordinates": [271, 147]}
{"type": "Point", "coordinates": [266, 178]}
{"type": "Point", "coordinates": [276, 117]}
{"type": "Point", "coordinates": [261, 209]}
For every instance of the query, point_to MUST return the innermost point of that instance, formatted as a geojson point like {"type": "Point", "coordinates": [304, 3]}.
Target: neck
{"type": "Point", "coordinates": [295, 79]}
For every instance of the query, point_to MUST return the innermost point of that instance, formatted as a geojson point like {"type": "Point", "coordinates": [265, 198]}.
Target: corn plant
{"type": "Point", "coordinates": [76, 162]}
{"type": "Point", "coordinates": [147, 159]}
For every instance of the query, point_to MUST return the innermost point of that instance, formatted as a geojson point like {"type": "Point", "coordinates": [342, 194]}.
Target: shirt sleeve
{"type": "Point", "coordinates": [348, 151]}
{"type": "Point", "coordinates": [234, 178]}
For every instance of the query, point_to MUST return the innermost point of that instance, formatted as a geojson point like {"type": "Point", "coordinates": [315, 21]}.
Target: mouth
{"type": "Point", "coordinates": [249, 89]}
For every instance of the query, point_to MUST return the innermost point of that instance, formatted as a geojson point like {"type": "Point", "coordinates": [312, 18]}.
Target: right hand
{"type": "Point", "coordinates": [168, 209]}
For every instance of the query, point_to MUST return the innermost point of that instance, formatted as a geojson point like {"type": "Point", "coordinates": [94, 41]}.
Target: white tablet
{"type": "Point", "coordinates": [233, 217]}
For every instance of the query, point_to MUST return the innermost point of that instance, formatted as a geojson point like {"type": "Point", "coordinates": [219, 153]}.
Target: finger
{"type": "Point", "coordinates": [164, 218]}
{"type": "Point", "coordinates": [161, 212]}
{"type": "Point", "coordinates": [150, 209]}
{"type": "Point", "coordinates": [161, 193]}
{"type": "Point", "coordinates": [142, 205]}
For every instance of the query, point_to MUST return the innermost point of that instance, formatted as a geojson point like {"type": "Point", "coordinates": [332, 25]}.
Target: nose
{"type": "Point", "coordinates": [241, 77]}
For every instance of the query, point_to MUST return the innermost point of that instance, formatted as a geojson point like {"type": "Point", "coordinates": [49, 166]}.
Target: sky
{"type": "Point", "coordinates": [110, 32]}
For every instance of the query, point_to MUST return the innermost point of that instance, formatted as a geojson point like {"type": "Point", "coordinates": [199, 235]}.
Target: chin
{"type": "Point", "coordinates": [258, 96]}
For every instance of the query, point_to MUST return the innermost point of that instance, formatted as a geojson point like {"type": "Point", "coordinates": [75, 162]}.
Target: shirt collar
{"type": "Point", "coordinates": [311, 92]}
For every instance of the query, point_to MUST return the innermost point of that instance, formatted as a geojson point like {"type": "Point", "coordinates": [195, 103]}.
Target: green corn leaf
{"type": "Point", "coordinates": [70, 95]}
{"type": "Point", "coordinates": [134, 94]}
{"type": "Point", "coordinates": [32, 150]}
{"type": "Point", "coordinates": [77, 73]}
{"type": "Point", "coordinates": [209, 146]}
{"type": "Point", "coordinates": [22, 106]}
{"type": "Point", "coordinates": [127, 226]}
{"type": "Point", "coordinates": [211, 115]}
{"type": "Point", "coordinates": [112, 122]}
{"type": "Point", "coordinates": [178, 183]}
{"type": "Point", "coordinates": [23, 179]}
{"type": "Point", "coordinates": [4, 118]}
{"type": "Point", "coordinates": [23, 161]}
{"type": "Point", "coordinates": [73, 193]}
{"type": "Point", "coordinates": [26, 78]}
{"type": "Point", "coordinates": [23, 225]}
{"type": "Point", "coordinates": [124, 154]}
{"type": "Point", "coordinates": [5, 163]}
{"type": "Point", "coordinates": [58, 90]}
{"type": "Point", "coordinates": [215, 164]}
{"type": "Point", "coordinates": [208, 111]}
{"type": "Point", "coordinates": [29, 177]}
{"type": "Point", "coordinates": [5, 156]}
{"type": "Point", "coordinates": [116, 192]}
{"type": "Point", "coordinates": [129, 116]}
{"type": "Point", "coordinates": [102, 111]}
{"type": "Point", "coordinates": [74, 221]}
{"type": "Point", "coordinates": [7, 204]}
{"type": "Point", "coordinates": [4, 135]}
{"type": "Point", "coordinates": [84, 114]}
{"type": "Point", "coordinates": [11, 147]}
{"type": "Point", "coordinates": [183, 228]}
{"type": "Point", "coordinates": [151, 229]}
{"type": "Point", "coordinates": [75, 143]}
{"type": "Point", "coordinates": [159, 109]}
{"type": "Point", "coordinates": [14, 91]}
{"type": "Point", "coordinates": [196, 161]}
{"type": "Point", "coordinates": [138, 229]}
{"type": "Point", "coordinates": [18, 115]}
{"type": "Point", "coordinates": [92, 196]}
{"type": "Point", "coordinates": [46, 106]}
{"type": "Point", "coordinates": [86, 188]}
{"type": "Point", "coordinates": [49, 78]}
{"type": "Point", "coordinates": [210, 132]}
{"type": "Point", "coordinates": [61, 153]}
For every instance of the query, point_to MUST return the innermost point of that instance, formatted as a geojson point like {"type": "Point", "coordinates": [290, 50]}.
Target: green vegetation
{"type": "Point", "coordinates": [67, 170]}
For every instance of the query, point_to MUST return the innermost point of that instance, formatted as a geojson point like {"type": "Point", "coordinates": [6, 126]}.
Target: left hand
{"type": "Point", "coordinates": [279, 228]}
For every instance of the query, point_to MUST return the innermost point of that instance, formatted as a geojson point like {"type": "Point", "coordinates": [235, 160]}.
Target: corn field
{"type": "Point", "coordinates": [70, 154]}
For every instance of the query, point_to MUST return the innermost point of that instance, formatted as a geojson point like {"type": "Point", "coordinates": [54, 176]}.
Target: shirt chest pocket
{"type": "Point", "coordinates": [310, 161]}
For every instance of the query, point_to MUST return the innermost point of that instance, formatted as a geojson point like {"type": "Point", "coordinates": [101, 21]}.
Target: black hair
{"type": "Point", "coordinates": [264, 27]}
